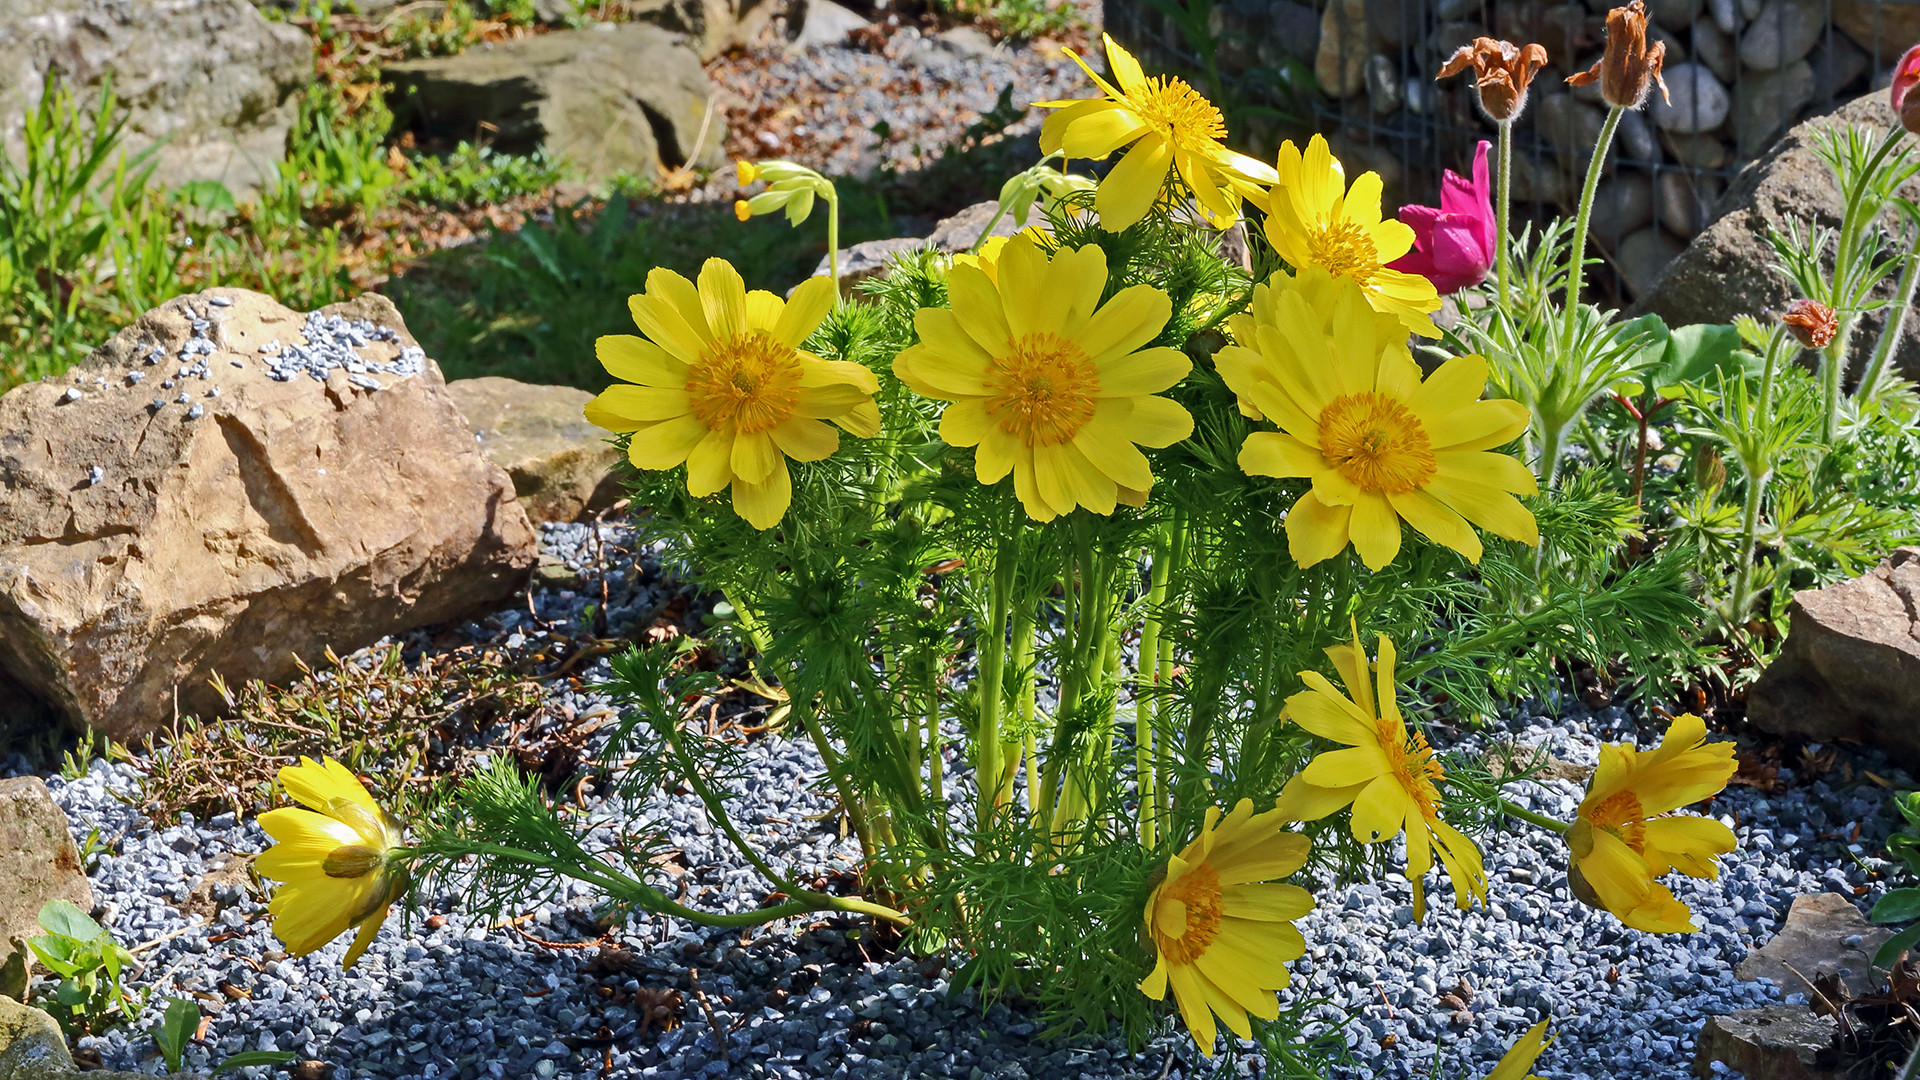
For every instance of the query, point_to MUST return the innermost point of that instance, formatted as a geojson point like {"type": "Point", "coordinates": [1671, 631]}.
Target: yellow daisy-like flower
{"type": "Point", "coordinates": [1219, 934]}
{"type": "Point", "coordinates": [1051, 385]}
{"type": "Point", "coordinates": [1314, 219]}
{"type": "Point", "coordinates": [338, 860]}
{"type": "Point", "coordinates": [1388, 773]}
{"type": "Point", "coordinates": [724, 387]}
{"type": "Point", "coordinates": [1517, 1062]}
{"type": "Point", "coordinates": [1622, 839]}
{"type": "Point", "coordinates": [1380, 445]}
{"type": "Point", "coordinates": [1170, 127]}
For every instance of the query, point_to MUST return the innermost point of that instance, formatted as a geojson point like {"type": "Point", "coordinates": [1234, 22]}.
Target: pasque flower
{"type": "Point", "coordinates": [1169, 128]}
{"type": "Point", "coordinates": [1387, 772]}
{"type": "Point", "coordinates": [1453, 243]}
{"type": "Point", "coordinates": [338, 860]}
{"type": "Point", "coordinates": [1811, 323]}
{"type": "Point", "coordinates": [1051, 385]}
{"type": "Point", "coordinates": [1626, 834]}
{"type": "Point", "coordinates": [1502, 72]}
{"type": "Point", "coordinates": [1315, 219]}
{"type": "Point", "coordinates": [724, 388]}
{"type": "Point", "coordinates": [1629, 67]}
{"type": "Point", "coordinates": [1906, 77]}
{"type": "Point", "coordinates": [1221, 934]}
{"type": "Point", "coordinates": [1380, 445]}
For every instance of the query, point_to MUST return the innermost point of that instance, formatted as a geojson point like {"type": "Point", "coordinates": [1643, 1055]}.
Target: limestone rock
{"type": "Point", "coordinates": [1698, 101]}
{"type": "Point", "coordinates": [1340, 64]}
{"type": "Point", "coordinates": [823, 22]}
{"type": "Point", "coordinates": [622, 98]}
{"type": "Point", "coordinates": [867, 259]}
{"type": "Point", "coordinates": [214, 78]}
{"type": "Point", "coordinates": [952, 235]}
{"type": "Point", "coordinates": [1850, 667]}
{"type": "Point", "coordinates": [38, 861]}
{"type": "Point", "coordinates": [1814, 943]}
{"type": "Point", "coordinates": [1768, 101]}
{"type": "Point", "coordinates": [562, 466]}
{"type": "Point", "coordinates": [153, 535]}
{"type": "Point", "coordinates": [1784, 31]}
{"type": "Point", "coordinates": [1774, 1042]}
{"type": "Point", "coordinates": [30, 1042]}
{"type": "Point", "coordinates": [1728, 269]}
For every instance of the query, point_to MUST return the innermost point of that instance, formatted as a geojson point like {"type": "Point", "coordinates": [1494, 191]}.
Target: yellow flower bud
{"type": "Point", "coordinates": [740, 208]}
{"type": "Point", "coordinates": [748, 173]}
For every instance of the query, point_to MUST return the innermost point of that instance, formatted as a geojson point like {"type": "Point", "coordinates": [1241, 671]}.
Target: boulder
{"type": "Point", "coordinates": [1880, 28]}
{"type": "Point", "coordinates": [1766, 102]}
{"type": "Point", "coordinates": [616, 98]}
{"type": "Point", "coordinates": [214, 78]}
{"type": "Point", "coordinates": [562, 466]}
{"type": "Point", "coordinates": [711, 27]}
{"type": "Point", "coordinates": [38, 861]}
{"type": "Point", "coordinates": [823, 23]}
{"type": "Point", "coordinates": [952, 235]}
{"type": "Point", "coordinates": [1728, 269]}
{"type": "Point", "coordinates": [1850, 667]}
{"type": "Point", "coordinates": [1814, 942]}
{"type": "Point", "coordinates": [227, 484]}
{"type": "Point", "coordinates": [32, 1048]}
{"type": "Point", "coordinates": [1340, 62]}
{"type": "Point", "coordinates": [1774, 1042]}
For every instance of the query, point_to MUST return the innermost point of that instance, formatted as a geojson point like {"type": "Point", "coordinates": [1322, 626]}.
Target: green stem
{"type": "Point", "coordinates": [999, 212]}
{"type": "Point", "coordinates": [1895, 328]}
{"type": "Point", "coordinates": [1577, 254]}
{"type": "Point", "coordinates": [993, 671]}
{"type": "Point", "coordinates": [1758, 474]}
{"type": "Point", "coordinates": [1146, 690]}
{"type": "Point", "coordinates": [1553, 825]}
{"type": "Point", "coordinates": [1501, 237]}
{"type": "Point", "coordinates": [833, 235]}
{"type": "Point", "coordinates": [1847, 293]}
{"type": "Point", "coordinates": [1552, 445]}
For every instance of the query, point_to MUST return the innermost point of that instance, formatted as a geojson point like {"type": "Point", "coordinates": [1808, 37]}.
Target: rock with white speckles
{"type": "Point", "coordinates": [296, 514]}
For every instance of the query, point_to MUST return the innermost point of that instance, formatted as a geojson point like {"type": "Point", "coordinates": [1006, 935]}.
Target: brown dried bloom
{"type": "Point", "coordinates": [1812, 323]}
{"type": "Point", "coordinates": [1501, 72]}
{"type": "Point", "coordinates": [1629, 68]}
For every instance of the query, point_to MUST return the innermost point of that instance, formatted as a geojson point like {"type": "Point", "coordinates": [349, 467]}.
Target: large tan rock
{"type": "Point", "coordinates": [1850, 667]}
{"type": "Point", "coordinates": [562, 466]}
{"type": "Point", "coordinates": [1774, 1042]}
{"type": "Point", "coordinates": [191, 499]}
{"type": "Point", "coordinates": [1813, 942]}
{"type": "Point", "coordinates": [1728, 269]}
{"type": "Point", "coordinates": [38, 862]}
{"type": "Point", "coordinates": [32, 1048]}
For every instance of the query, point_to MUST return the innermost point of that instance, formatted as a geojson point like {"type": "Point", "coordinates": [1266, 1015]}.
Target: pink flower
{"type": "Point", "coordinates": [1453, 245]}
{"type": "Point", "coordinates": [1906, 77]}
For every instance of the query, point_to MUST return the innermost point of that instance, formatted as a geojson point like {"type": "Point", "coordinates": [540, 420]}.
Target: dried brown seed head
{"type": "Point", "coordinates": [1502, 72]}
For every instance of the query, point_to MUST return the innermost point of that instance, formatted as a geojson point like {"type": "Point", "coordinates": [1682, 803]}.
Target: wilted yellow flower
{"type": "Point", "coordinates": [1050, 385]}
{"type": "Point", "coordinates": [1380, 445]}
{"type": "Point", "coordinates": [1170, 128]}
{"type": "Point", "coordinates": [724, 387]}
{"type": "Point", "coordinates": [1622, 840]}
{"type": "Point", "coordinates": [338, 860]}
{"type": "Point", "coordinates": [1314, 219]}
{"type": "Point", "coordinates": [1220, 936]}
{"type": "Point", "coordinates": [1388, 773]}
{"type": "Point", "coordinates": [1517, 1062]}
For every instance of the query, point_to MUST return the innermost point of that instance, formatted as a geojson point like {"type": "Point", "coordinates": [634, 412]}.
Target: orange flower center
{"type": "Point", "coordinates": [1186, 915]}
{"type": "Point", "coordinates": [1043, 393]}
{"type": "Point", "coordinates": [1345, 249]}
{"type": "Point", "coordinates": [744, 385]}
{"type": "Point", "coordinates": [1376, 442]}
{"type": "Point", "coordinates": [1414, 767]}
{"type": "Point", "coordinates": [1178, 114]}
{"type": "Point", "coordinates": [1621, 815]}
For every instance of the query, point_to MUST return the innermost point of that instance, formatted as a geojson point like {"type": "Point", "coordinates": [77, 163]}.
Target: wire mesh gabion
{"type": "Point", "coordinates": [1739, 73]}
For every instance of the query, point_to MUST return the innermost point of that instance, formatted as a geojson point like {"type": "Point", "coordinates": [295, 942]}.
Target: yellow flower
{"type": "Point", "coordinates": [1379, 444]}
{"type": "Point", "coordinates": [1517, 1062]}
{"type": "Point", "coordinates": [1219, 935]}
{"type": "Point", "coordinates": [724, 386]}
{"type": "Point", "coordinates": [1622, 839]}
{"type": "Point", "coordinates": [1387, 774]}
{"type": "Point", "coordinates": [746, 172]}
{"type": "Point", "coordinates": [1051, 385]}
{"type": "Point", "coordinates": [1314, 219]}
{"type": "Point", "coordinates": [1170, 127]}
{"type": "Point", "coordinates": [338, 860]}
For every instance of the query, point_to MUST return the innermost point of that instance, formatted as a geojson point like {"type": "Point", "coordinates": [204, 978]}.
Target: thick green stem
{"type": "Point", "coordinates": [992, 676]}
{"type": "Point", "coordinates": [1502, 239]}
{"type": "Point", "coordinates": [1553, 444]}
{"type": "Point", "coordinates": [833, 235]}
{"type": "Point", "coordinates": [1577, 254]}
{"type": "Point", "coordinates": [1895, 328]}
{"type": "Point", "coordinates": [1758, 474]}
{"type": "Point", "coordinates": [1553, 825]}
{"type": "Point", "coordinates": [1147, 690]}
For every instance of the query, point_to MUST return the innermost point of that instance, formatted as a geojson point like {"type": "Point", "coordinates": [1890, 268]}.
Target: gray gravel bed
{"type": "Point", "coordinates": [441, 995]}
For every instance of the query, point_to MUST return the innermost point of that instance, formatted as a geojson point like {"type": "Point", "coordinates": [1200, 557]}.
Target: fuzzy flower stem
{"type": "Point", "coordinates": [1501, 239]}
{"type": "Point", "coordinates": [833, 235]}
{"type": "Point", "coordinates": [1758, 473]}
{"type": "Point", "coordinates": [1846, 296]}
{"type": "Point", "coordinates": [1895, 328]}
{"type": "Point", "coordinates": [1513, 809]}
{"type": "Point", "coordinates": [1146, 692]}
{"type": "Point", "coordinates": [1577, 253]}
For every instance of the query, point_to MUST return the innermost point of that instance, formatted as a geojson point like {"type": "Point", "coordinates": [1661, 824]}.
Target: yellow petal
{"type": "Point", "coordinates": [806, 309]}
{"type": "Point", "coordinates": [1315, 531]}
{"type": "Point", "coordinates": [753, 457]}
{"type": "Point", "coordinates": [805, 440]}
{"type": "Point", "coordinates": [1275, 453]}
{"type": "Point", "coordinates": [976, 305]}
{"type": "Point", "coordinates": [1382, 808]}
{"type": "Point", "coordinates": [762, 505]}
{"type": "Point", "coordinates": [723, 299]}
{"type": "Point", "coordinates": [669, 329]}
{"type": "Point", "coordinates": [708, 468]}
{"type": "Point", "coordinates": [317, 784]}
{"type": "Point", "coordinates": [1158, 422]}
{"type": "Point", "coordinates": [665, 445]}
{"type": "Point", "coordinates": [1129, 191]}
{"type": "Point", "coordinates": [1301, 801]}
{"type": "Point", "coordinates": [1134, 316]}
{"type": "Point", "coordinates": [644, 403]}
{"type": "Point", "coordinates": [1437, 522]}
{"type": "Point", "coordinates": [637, 360]}
{"type": "Point", "coordinates": [1346, 767]}
{"type": "Point", "coordinates": [1148, 371]}
{"type": "Point", "coordinates": [1376, 530]}
{"type": "Point", "coordinates": [1519, 1058]}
